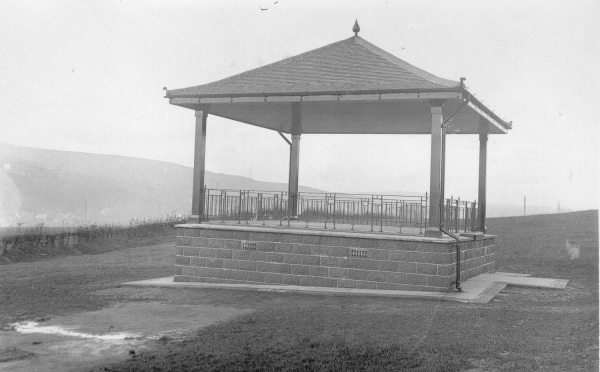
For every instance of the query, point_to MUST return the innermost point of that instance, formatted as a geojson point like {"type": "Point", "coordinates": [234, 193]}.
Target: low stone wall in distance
{"type": "Point", "coordinates": [337, 259]}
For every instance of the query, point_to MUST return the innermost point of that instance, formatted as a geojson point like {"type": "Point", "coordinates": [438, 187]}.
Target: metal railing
{"type": "Point", "coordinates": [331, 209]}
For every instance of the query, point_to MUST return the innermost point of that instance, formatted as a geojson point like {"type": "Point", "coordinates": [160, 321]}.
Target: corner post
{"type": "Point", "coordinates": [294, 161]}
{"type": "Point", "coordinates": [433, 230]}
{"type": "Point", "coordinates": [481, 195]}
{"type": "Point", "coordinates": [199, 167]}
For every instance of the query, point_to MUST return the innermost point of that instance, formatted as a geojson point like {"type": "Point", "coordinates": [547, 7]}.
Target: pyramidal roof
{"type": "Point", "coordinates": [350, 65]}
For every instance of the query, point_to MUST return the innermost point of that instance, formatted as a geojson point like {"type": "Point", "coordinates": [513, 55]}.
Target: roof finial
{"type": "Point", "coordinates": [356, 28]}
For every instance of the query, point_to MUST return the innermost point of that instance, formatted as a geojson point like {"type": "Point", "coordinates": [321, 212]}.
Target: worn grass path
{"type": "Point", "coordinates": [521, 329]}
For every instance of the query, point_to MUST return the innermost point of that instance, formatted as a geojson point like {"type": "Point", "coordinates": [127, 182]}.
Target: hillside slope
{"type": "Point", "coordinates": [66, 186]}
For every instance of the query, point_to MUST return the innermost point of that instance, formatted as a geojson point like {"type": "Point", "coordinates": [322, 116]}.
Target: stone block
{"type": "Point", "coordinates": [339, 252]}
{"type": "Point", "coordinates": [367, 264]}
{"type": "Point", "coordinates": [181, 260]}
{"type": "Point", "coordinates": [335, 272]}
{"type": "Point", "coordinates": [258, 256]}
{"type": "Point", "coordinates": [330, 261]}
{"type": "Point", "coordinates": [310, 239]}
{"type": "Point", "coordinates": [222, 274]}
{"type": "Point", "coordinates": [178, 251]}
{"type": "Point", "coordinates": [272, 237]}
{"type": "Point", "coordinates": [311, 260]}
{"type": "Point", "coordinates": [181, 231]}
{"type": "Point", "coordinates": [257, 236]}
{"type": "Point", "coordinates": [295, 259]}
{"type": "Point", "coordinates": [299, 270]}
{"type": "Point", "coordinates": [319, 250]}
{"type": "Point", "coordinates": [188, 271]}
{"type": "Point", "coordinates": [265, 246]}
{"type": "Point", "coordinates": [241, 235]}
{"type": "Point", "coordinates": [302, 249]}
{"type": "Point", "coordinates": [183, 241]}
{"type": "Point", "coordinates": [241, 255]}
{"type": "Point", "coordinates": [344, 283]}
{"type": "Point", "coordinates": [214, 262]}
{"type": "Point", "coordinates": [386, 244]}
{"type": "Point", "coordinates": [214, 243]}
{"type": "Point", "coordinates": [223, 253]}
{"type": "Point", "coordinates": [416, 279]}
{"type": "Point", "coordinates": [290, 280]}
{"type": "Point", "coordinates": [246, 265]}
{"type": "Point", "coordinates": [230, 264]}
{"type": "Point", "coordinates": [427, 269]}
{"type": "Point", "coordinates": [357, 274]}
{"type": "Point", "coordinates": [281, 268]}
{"type": "Point", "coordinates": [206, 252]}
{"type": "Point", "coordinates": [198, 242]}
{"type": "Point", "coordinates": [291, 238]}
{"type": "Point", "coordinates": [318, 271]}
{"type": "Point", "coordinates": [375, 276]}
{"type": "Point", "coordinates": [367, 243]}
{"type": "Point", "coordinates": [253, 276]}
{"type": "Point", "coordinates": [194, 233]}
{"type": "Point", "coordinates": [265, 267]}
{"type": "Point", "coordinates": [309, 281]}
{"type": "Point", "coordinates": [403, 245]}
{"type": "Point", "coordinates": [177, 270]}
{"type": "Point", "coordinates": [445, 270]}
{"type": "Point", "coordinates": [349, 242]}
{"type": "Point", "coordinates": [438, 281]}
{"type": "Point", "coordinates": [398, 278]}
{"type": "Point", "coordinates": [419, 257]}
{"type": "Point", "coordinates": [407, 267]}
{"type": "Point", "coordinates": [399, 256]}
{"type": "Point", "coordinates": [387, 266]}
{"type": "Point", "coordinates": [188, 251]}
{"type": "Point", "coordinates": [284, 248]}
{"type": "Point", "coordinates": [275, 257]}
{"type": "Point", "coordinates": [378, 254]}
{"type": "Point", "coordinates": [205, 272]}
{"type": "Point", "coordinates": [327, 282]}
{"type": "Point", "coordinates": [232, 244]}
{"type": "Point", "coordinates": [272, 278]}
{"type": "Point", "coordinates": [199, 261]}
{"type": "Point", "coordinates": [348, 263]}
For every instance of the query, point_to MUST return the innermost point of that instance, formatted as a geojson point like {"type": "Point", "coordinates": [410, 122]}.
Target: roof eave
{"type": "Point", "coordinates": [491, 114]}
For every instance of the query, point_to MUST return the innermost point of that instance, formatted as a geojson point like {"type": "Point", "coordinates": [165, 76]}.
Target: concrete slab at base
{"type": "Point", "coordinates": [479, 289]}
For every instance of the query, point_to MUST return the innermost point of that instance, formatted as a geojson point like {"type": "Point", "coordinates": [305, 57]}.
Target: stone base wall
{"type": "Point", "coordinates": [256, 255]}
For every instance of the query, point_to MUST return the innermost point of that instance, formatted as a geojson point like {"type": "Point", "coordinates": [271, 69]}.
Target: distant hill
{"type": "Point", "coordinates": [61, 187]}
{"type": "Point", "coordinates": [68, 188]}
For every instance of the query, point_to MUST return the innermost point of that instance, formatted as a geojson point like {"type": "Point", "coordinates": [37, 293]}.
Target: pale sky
{"type": "Point", "coordinates": [88, 76]}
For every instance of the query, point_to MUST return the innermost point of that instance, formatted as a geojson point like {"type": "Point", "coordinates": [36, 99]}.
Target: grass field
{"type": "Point", "coordinates": [520, 330]}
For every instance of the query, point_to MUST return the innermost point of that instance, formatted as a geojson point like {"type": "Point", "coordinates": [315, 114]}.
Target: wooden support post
{"type": "Point", "coordinates": [199, 167]}
{"type": "Point", "coordinates": [433, 230]}
{"type": "Point", "coordinates": [294, 161]}
{"type": "Point", "coordinates": [483, 138]}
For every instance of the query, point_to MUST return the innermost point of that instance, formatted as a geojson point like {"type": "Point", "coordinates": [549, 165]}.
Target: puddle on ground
{"type": "Point", "coordinates": [33, 327]}
{"type": "Point", "coordinates": [81, 341]}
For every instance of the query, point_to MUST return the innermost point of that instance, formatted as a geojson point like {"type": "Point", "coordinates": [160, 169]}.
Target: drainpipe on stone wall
{"type": "Point", "coordinates": [457, 281]}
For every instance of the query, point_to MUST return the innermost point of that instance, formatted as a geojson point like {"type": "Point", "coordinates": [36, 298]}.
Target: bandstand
{"type": "Point", "coordinates": [391, 242]}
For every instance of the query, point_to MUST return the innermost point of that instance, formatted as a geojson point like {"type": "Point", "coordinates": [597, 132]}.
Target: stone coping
{"type": "Point", "coordinates": [321, 232]}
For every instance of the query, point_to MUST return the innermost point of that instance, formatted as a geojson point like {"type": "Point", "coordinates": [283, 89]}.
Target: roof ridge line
{"type": "Point", "coordinates": [403, 64]}
{"type": "Point", "coordinates": [282, 62]}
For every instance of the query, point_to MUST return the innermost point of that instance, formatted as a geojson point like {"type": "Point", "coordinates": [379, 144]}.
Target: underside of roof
{"type": "Point", "coordinates": [350, 86]}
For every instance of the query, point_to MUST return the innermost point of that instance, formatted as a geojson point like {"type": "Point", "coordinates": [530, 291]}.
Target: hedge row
{"type": "Point", "coordinates": [40, 239]}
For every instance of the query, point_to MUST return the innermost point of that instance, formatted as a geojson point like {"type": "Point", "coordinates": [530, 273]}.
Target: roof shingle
{"type": "Point", "coordinates": [353, 64]}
